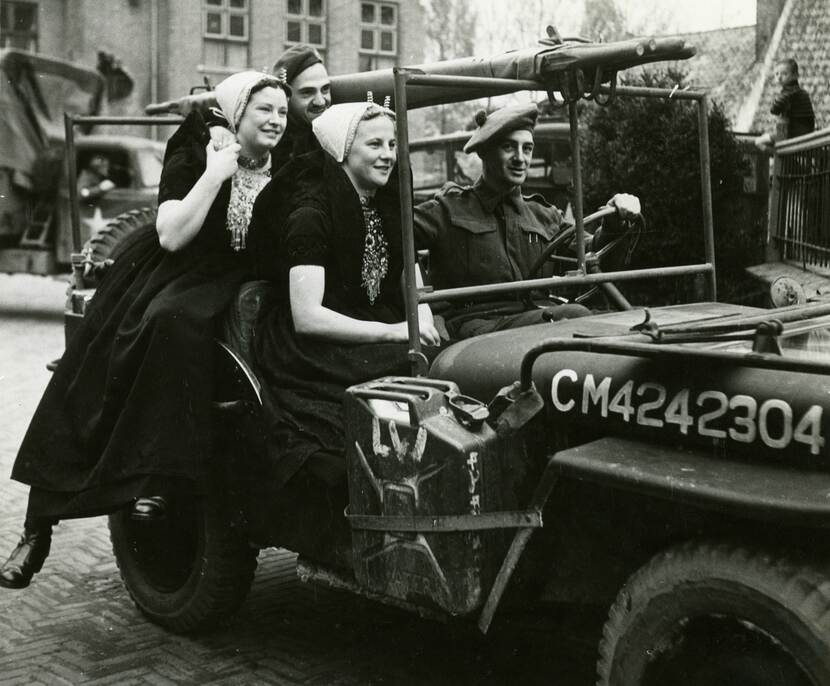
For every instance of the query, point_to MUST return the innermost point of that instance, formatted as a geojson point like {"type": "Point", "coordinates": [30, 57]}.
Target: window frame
{"type": "Point", "coordinates": [32, 37]}
{"type": "Point", "coordinates": [225, 41]}
{"type": "Point", "coordinates": [305, 19]}
{"type": "Point", "coordinates": [377, 28]}
{"type": "Point", "coordinates": [225, 10]}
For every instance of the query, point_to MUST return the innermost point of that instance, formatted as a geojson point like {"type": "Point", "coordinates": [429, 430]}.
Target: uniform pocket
{"type": "Point", "coordinates": [477, 253]}
{"type": "Point", "coordinates": [533, 239]}
{"type": "Point", "coordinates": [473, 225]}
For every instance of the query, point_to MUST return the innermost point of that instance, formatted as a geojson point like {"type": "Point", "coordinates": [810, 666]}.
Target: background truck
{"type": "Point", "coordinates": [35, 227]}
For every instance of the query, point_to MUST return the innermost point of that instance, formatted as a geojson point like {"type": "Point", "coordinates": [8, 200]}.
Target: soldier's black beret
{"type": "Point", "coordinates": [296, 60]}
{"type": "Point", "coordinates": [500, 123]}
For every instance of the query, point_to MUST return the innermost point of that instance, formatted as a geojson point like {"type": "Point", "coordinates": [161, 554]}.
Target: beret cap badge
{"type": "Point", "coordinates": [496, 125]}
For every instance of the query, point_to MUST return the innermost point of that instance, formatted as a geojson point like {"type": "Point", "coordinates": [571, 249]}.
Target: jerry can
{"type": "Point", "coordinates": [424, 470]}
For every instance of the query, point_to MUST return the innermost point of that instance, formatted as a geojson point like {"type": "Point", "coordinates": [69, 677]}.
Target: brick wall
{"type": "Point", "coordinates": [267, 32]}
{"type": "Point", "coordinates": [122, 30]}
{"type": "Point", "coordinates": [53, 28]}
{"type": "Point", "coordinates": [411, 38]}
{"type": "Point", "coordinates": [343, 46]}
{"type": "Point", "coordinates": [78, 29]}
{"type": "Point", "coordinates": [181, 34]}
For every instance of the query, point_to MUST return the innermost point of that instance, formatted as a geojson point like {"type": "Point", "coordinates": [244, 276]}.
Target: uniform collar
{"type": "Point", "coordinates": [489, 198]}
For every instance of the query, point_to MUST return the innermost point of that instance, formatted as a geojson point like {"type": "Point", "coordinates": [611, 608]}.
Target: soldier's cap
{"type": "Point", "coordinates": [497, 125]}
{"type": "Point", "coordinates": [296, 60]}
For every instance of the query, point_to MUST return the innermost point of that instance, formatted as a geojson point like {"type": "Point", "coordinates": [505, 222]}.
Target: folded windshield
{"type": "Point", "coordinates": [805, 340]}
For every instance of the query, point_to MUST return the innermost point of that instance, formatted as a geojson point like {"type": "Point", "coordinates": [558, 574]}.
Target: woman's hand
{"type": "Point", "coordinates": [221, 137]}
{"type": "Point", "coordinates": [399, 333]}
{"type": "Point", "coordinates": [426, 325]}
{"type": "Point", "coordinates": [222, 162]}
{"type": "Point", "coordinates": [429, 335]}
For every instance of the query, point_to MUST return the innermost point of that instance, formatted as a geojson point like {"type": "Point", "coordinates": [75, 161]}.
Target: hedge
{"type": "Point", "coordinates": [649, 147]}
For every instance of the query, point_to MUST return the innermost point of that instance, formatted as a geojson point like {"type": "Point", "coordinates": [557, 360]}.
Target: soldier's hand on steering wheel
{"type": "Point", "coordinates": [627, 205]}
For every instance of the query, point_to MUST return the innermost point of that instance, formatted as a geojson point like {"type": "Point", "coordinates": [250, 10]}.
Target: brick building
{"type": "Point", "coordinates": [168, 46]}
{"type": "Point", "coordinates": [736, 65]}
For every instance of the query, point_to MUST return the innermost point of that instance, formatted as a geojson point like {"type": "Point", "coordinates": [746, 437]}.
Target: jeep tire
{"type": "Point", "coordinates": [189, 571]}
{"type": "Point", "coordinates": [704, 614]}
{"type": "Point", "coordinates": [108, 243]}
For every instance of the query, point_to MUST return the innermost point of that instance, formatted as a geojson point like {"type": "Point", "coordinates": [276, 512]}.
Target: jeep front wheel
{"type": "Point", "coordinates": [718, 615]}
{"type": "Point", "coordinates": [187, 572]}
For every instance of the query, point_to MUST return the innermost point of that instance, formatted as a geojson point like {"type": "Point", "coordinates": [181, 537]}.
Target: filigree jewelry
{"type": "Point", "coordinates": [245, 186]}
{"type": "Point", "coordinates": [375, 251]}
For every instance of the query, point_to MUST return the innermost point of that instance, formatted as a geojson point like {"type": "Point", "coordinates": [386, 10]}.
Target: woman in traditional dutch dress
{"type": "Point", "coordinates": [333, 217]}
{"type": "Point", "coordinates": [127, 412]}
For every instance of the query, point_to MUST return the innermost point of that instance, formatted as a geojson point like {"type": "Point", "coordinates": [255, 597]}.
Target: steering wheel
{"type": "Point", "coordinates": [594, 258]}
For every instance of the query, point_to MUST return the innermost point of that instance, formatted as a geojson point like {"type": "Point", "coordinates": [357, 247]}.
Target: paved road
{"type": "Point", "coordinates": [76, 624]}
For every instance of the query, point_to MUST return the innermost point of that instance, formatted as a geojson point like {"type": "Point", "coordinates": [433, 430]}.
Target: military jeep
{"type": "Point", "coordinates": [669, 465]}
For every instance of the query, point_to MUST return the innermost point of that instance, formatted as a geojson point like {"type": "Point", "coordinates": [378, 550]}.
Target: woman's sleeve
{"type": "Point", "coordinates": [306, 238]}
{"type": "Point", "coordinates": [184, 159]}
{"type": "Point", "coordinates": [179, 174]}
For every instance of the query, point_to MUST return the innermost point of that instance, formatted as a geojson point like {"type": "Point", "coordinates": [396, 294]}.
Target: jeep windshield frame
{"type": "Point", "coordinates": [406, 78]}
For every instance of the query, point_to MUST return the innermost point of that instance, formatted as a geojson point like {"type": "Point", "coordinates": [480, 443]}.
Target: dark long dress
{"type": "Point", "coordinates": [127, 412]}
{"type": "Point", "coordinates": [313, 208]}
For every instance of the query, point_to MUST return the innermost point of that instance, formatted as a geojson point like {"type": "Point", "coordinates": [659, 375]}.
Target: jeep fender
{"type": "Point", "coordinates": [235, 380]}
{"type": "Point", "coordinates": [698, 477]}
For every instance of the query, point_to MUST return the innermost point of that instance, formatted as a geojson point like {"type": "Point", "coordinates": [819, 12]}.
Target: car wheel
{"type": "Point", "coordinates": [190, 570]}
{"type": "Point", "coordinates": [713, 614]}
{"type": "Point", "coordinates": [109, 243]}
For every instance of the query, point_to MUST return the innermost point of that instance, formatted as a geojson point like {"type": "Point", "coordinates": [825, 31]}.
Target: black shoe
{"type": "Point", "coordinates": [149, 509]}
{"type": "Point", "coordinates": [27, 558]}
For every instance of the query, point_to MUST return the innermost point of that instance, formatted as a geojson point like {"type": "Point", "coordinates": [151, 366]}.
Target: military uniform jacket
{"type": "Point", "coordinates": [476, 236]}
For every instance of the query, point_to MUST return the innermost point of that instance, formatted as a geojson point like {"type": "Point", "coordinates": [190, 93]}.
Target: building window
{"type": "Point", "coordinates": [18, 25]}
{"type": "Point", "coordinates": [306, 22]}
{"type": "Point", "coordinates": [378, 29]}
{"type": "Point", "coordinates": [225, 33]}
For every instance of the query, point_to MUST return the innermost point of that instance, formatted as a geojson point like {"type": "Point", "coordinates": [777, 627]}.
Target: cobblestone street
{"type": "Point", "coordinates": [76, 624]}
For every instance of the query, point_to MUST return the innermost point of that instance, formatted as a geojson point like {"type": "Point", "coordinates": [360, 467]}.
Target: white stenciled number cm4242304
{"type": "Point", "coordinates": [709, 413]}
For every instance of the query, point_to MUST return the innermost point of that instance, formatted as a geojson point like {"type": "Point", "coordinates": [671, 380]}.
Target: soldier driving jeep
{"type": "Point", "coordinates": [490, 233]}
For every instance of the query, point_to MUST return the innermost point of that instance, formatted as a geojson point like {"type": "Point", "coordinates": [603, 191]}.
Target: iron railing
{"type": "Point", "coordinates": [800, 202]}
